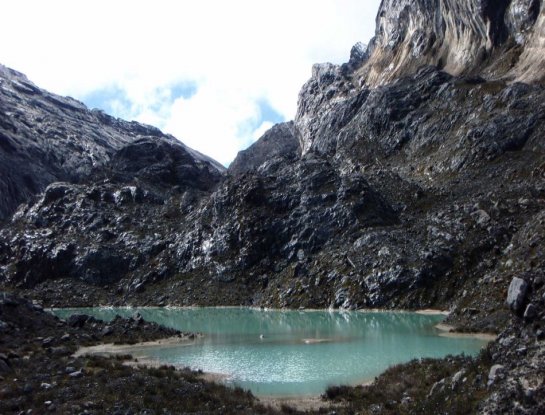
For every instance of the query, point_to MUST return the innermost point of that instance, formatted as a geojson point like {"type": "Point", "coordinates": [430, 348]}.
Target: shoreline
{"type": "Point", "coordinates": [425, 312]}
{"type": "Point", "coordinates": [432, 312]}
{"type": "Point", "coordinates": [300, 403]}
{"type": "Point", "coordinates": [113, 349]}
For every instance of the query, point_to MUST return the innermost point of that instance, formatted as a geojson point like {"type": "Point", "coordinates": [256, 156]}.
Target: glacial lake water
{"type": "Point", "coordinates": [288, 353]}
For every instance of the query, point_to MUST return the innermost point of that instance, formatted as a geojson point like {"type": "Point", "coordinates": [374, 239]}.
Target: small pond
{"type": "Point", "coordinates": [287, 353]}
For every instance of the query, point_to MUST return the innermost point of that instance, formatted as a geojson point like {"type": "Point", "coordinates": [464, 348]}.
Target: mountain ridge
{"type": "Point", "coordinates": [47, 138]}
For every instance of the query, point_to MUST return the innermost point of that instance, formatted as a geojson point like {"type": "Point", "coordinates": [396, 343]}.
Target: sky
{"type": "Point", "coordinates": [215, 74]}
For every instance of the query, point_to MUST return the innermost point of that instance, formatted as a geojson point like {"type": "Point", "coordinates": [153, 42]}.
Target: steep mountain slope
{"type": "Point", "coordinates": [459, 37]}
{"type": "Point", "coordinates": [46, 138]}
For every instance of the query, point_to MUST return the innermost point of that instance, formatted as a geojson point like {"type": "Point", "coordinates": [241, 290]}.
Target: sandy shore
{"type": "Point", "coordinates": [116, 349]}
{"type": "Point", "coordinates": [111, 349]}
{"type": "Point", "coordinates": [306, 402]}
{"type": "Point", "coordinates": [449, 331]}
{"type": "Point", "coordinates": [301, 403]}
{"type": "Point", "coordinates": [432, 312]}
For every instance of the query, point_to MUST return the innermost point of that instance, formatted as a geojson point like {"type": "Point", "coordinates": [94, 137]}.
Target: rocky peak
{"type": "Point", "coordinates": [358, 55]}
{"type": "Point", "coordinates": [328, 85]}
{"type": "Point", "coordinates": [279, 141]}
{"type": "Point", "coordinates": [496, 40]}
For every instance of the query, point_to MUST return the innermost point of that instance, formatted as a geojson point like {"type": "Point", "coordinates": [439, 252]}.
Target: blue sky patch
{"type": "Point", "coordinates": [114, 101]}
{"type": "Point", "coordinates": [105, 98]}
{"type": "Point", "coordinates": [268, 113]}
{"type": "Point", "coordinates": [183, 90]}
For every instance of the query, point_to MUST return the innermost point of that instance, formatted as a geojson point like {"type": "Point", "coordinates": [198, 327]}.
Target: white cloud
{"type": "Point", "coordinates": [259, 131]}
{"type": "Point", "coordinates": [237, 53]}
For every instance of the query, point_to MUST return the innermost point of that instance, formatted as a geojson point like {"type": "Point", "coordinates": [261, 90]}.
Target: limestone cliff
{"type": "Point", "coordinates": [496, 40]}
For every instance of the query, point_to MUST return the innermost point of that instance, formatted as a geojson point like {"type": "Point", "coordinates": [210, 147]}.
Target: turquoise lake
{"type": "Point", "coordinates": [287, 353]}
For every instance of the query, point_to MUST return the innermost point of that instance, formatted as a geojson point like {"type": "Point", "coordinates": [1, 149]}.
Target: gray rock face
{"type": "Point", "coordinates": [458, 37]}
{"type": "Point", "coordinates": [516, 295]}
{"type": "Point", "coordinates": [276, 214]}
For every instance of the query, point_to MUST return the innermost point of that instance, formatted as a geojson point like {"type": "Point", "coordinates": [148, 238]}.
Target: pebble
{"type": "Point", "coordinates": [47, 341]}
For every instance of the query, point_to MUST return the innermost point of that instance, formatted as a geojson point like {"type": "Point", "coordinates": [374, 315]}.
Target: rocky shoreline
{"type": "Point", "coordinates": [42, 351]}
{"type": "Point", "coordinates": [40, 372]}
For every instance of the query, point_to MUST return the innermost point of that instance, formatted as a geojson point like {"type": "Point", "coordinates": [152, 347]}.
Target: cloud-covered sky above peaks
{"type": "Point", "coordinates": [216, 74]}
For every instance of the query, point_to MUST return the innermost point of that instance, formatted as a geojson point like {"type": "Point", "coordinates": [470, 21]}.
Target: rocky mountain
{"type": "Point", "coordinates": [45, 138]}
{"type": "Point", "coordinates": [413, 176]}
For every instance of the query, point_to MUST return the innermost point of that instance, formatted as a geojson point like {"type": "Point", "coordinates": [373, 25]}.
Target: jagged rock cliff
{"type": "Point", "coordinates": [459, 37]}
{"type": "Point", "coordinates": [280, 141]}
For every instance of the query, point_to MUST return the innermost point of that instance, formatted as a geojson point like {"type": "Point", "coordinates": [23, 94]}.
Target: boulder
{"type": "Point", "coordinates": [516, 296]}
{"type": "Point", "coordinates": [495, 373]}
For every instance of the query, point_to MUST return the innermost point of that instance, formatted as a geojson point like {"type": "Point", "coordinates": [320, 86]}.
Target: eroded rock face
{"type": "Point", "coordinates": [457, 36]}
{"type": "Point", "coordinates": [520, 18]}
{"type": "Point", "coordinates": [467, 38]}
